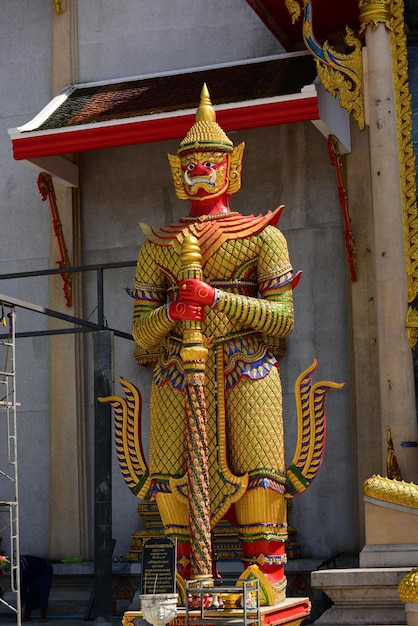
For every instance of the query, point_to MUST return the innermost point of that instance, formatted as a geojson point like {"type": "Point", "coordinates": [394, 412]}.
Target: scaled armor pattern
{"type": "Point", "coordinates": [240, 358]}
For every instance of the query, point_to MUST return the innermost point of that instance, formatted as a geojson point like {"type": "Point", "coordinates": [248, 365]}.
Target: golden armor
{"type": "Point", "coordinates": [213, 306]}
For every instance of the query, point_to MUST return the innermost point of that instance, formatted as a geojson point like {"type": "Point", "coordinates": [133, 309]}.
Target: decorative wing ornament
{"type": "Point", "coordinates": [128, 439]}
{"type": "Point", "coordinates": [311, 416]}
{"type": "Point", "coordinates": [339, 73]}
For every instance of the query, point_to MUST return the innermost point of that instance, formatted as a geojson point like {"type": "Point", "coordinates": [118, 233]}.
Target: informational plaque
{"type": "Point", "coordinates": [158, 565]}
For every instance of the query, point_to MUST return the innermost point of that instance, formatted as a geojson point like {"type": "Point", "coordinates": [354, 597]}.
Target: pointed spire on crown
{"type": "Point", "coordinates": [205, 112]}
{"type": "Point", "coordinates": [205, 134]}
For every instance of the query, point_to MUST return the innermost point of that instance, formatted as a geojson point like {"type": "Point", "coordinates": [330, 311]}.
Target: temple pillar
{"type": "Point", "coordinates": [396, 379]}
{"type": "Point", "coordinates": [67, 455]}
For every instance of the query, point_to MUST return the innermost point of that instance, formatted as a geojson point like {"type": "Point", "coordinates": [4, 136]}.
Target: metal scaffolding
{"type": "Point", "coordinates": [9, 504]}
{"type": "Point", "coordinates": [103, 545]}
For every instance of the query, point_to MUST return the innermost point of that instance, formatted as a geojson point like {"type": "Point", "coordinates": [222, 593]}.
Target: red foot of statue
{"type": "Point", "coordinates": [265, 560]}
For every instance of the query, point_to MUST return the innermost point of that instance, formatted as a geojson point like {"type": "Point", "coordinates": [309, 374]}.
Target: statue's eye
{"type": "Point", "coordinates": [191, 167]}
{"type": "Point", "coordinates": [208, 164]}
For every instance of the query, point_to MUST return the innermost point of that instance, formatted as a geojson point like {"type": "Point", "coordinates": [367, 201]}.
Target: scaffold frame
{"type": "Point", "coordinates": [9, 507]}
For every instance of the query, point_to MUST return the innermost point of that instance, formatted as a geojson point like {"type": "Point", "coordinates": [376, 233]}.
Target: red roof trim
{"type": "Point", "coordinates": [111, 135]}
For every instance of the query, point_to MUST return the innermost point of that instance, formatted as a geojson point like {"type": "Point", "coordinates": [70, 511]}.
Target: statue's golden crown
{"type": "Point", "coordinates": [205, 134]}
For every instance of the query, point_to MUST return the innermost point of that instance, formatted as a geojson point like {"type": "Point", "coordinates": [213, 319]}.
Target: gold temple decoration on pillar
{"type": "Point", "coordinates": [412, 326]}
{"type": "Point", "coordinates": [293, 6]}
{"type": "Point", "coordinates": [391, 14]}
{"type": "Point", "coordinates": [58, 6]}
{"type": "Point", "coordinates": [340, 74]}
{"type": "Point", "coordinates": [374, 13]}
{"type": "Point", "coordinates": [405, 145]}
{"type": "Point", "coordinates": [343, 74]}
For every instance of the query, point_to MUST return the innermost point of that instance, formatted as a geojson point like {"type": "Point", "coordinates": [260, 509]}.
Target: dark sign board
{"type": "Point", "coordinates": [158, 566]}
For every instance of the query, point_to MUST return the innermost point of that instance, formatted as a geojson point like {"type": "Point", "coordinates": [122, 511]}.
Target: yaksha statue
{"type": "Point", "coordinates": [213, 305]}
{"type": "Point", "coordinates": [245, 306]}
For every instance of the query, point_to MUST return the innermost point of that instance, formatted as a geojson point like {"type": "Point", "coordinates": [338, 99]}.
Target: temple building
{"type": "Point", "coordinates": [325, 96]}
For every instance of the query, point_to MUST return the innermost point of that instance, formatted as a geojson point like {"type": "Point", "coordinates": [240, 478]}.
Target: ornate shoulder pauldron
{"type": "Point", "coordinates": [211, 230]}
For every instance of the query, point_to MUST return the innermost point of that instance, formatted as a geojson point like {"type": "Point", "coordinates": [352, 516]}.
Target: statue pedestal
{"type": "Point", "coordinates": [369, 594]}
{"type": "Point", "coordinates": [387, 527]}
{"type": "Point", "coordinates": [362, 596]}
{"type": "Point", "coordinates": [384, 555]}
{"type": "Point", "coordinates": [290, 612]}
{"type": "Point", "coordinates": [411, 610]}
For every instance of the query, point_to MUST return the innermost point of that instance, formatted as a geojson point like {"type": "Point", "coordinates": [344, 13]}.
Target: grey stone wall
{"type": "Point", "coordinates": [164, 36]}
{"type": "Point", "coordinates": [25, 219]}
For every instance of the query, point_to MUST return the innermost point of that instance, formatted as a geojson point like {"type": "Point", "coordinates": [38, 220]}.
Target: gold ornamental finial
{"type": "Point", "coordinates": [408, 587]}
{"type": "Point", "coordinates": [392, 467]}
{"type": "Point", "coordinates": [205, 112]}
{"type": "Point", "coordinates": [190, 251]}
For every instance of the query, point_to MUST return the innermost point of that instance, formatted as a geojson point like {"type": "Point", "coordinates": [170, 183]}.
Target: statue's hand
{"type": "Point", "coordinates": [192, 290]}
{"type": "Point", "coordinates": [180, 310]}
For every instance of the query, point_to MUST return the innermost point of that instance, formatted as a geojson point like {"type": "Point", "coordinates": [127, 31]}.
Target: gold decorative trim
{"type": "Point", "coordinates": [393, 491]}
{"type": "Point", "coordinates": [58, 6]}
{"type": "Point", "coordinates": [412, 326]}
{"type": "Point", "coordinates": [269, 595]}
{"type": "Point", "coordinates": [403, 98]}
{"type": "Point", "coordinates": [293, 6]}
{"type": "Point", "coordinates": [392, 468]}
{"type": "Point", "coordinates": [391, 13]}
{"type": "Point", "coordinates": [374, 13]}
{"type": "Point", "coordinates": [340, 74]}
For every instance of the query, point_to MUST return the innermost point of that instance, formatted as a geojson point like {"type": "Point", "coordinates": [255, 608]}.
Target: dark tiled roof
{"type": "Point", "coordinates": [239, 83]}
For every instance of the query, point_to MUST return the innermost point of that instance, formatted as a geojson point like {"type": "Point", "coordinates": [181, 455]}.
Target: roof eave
{"type": "Point", "coordinates": [33, 145]}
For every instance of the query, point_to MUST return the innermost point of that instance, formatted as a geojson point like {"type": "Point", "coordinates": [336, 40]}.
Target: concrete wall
{"type": "Point", "coordinates": [288, 164]}
{"type": "Point", "coordinates": [25, 219]}
{"type": "Point", "coordinates": [161, 36]}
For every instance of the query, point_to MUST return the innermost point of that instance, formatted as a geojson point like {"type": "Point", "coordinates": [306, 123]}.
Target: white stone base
{"type": "Point", "coordinates": [402, 555]}
{"type": "Point", "coordinates": [411, 610]}
{"type": "Point", "coordinates": [361, 596]}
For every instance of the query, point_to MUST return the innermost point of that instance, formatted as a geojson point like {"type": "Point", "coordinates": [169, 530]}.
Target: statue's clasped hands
{"type": "Point", "coordinates": [197, 291]}
{"type": "Point", "coordinates": [193, 296]}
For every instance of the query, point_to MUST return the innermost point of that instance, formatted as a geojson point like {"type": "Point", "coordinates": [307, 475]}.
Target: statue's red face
{"type": "Point", "coordinates": [205, 174]}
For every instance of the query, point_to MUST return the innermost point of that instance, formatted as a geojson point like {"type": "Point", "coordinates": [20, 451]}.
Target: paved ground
{"type": "Point", "coordinates": [58, 621]}
{"type": "Point", "coordinates": [11, 620]}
